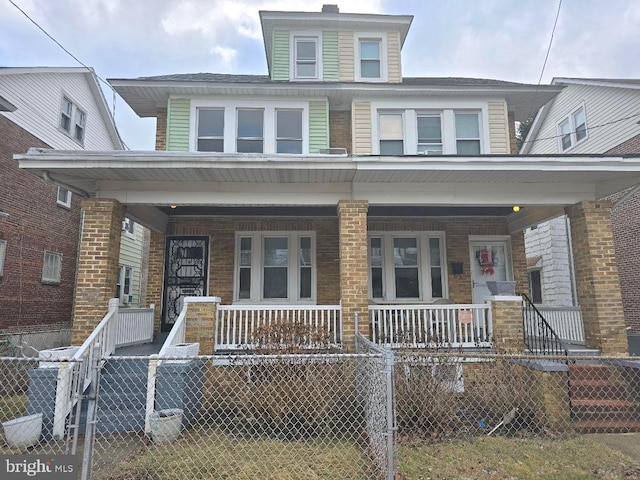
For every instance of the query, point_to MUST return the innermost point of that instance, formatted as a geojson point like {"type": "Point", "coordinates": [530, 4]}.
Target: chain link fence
{"type": "Point", "coordinates": [298, 416]}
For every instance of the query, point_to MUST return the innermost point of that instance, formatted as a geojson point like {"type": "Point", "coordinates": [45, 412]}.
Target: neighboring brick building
{"type": "Point", "coordinates": [59, 108]}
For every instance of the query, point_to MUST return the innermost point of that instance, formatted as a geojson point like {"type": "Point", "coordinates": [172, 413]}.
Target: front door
{"type": "Point", "coordinates": [490, 260]}
{"type": "Point", "coordinates": [185, 274]}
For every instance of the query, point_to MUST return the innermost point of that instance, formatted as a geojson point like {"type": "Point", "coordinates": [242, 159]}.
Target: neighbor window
{"type": "Point", "coordinates": [391, 133]}
{"type": "Point", "coordinates": [572, 129]}
{"type": "Point", "coordinates": [52, 267]}
{"type": "Point", "coordinates": [210, 130]}
{"type": "Point", "coordinates": [535, 286]}
{"type": "Point", "coordinates": [370, 58]}
{"type": "Point", "coordinates": [467, 133]}
{"type": "Point", "coordinates": [429, 133]}
{"type": "Point", "coordinates": [250, 136]}
{"type": "Point", "coordinates": [63, 197]}
{"type": "Point", "coordinates": [72, 120]}
{"type": "Point", "coordinates": [288, 131]}
{"type": "Point", "coordinates": [406, 266]}
{"type": "Point", "coordinates": [3, 250]}
{"type": "Point", "coordinates": [123, 287]}
{"type": "Point", "coordinates": [129, 226]}
{"type": "Point", "coordinates": [306, 57]}
{"type": "Point", "coordinates": [275, 267]}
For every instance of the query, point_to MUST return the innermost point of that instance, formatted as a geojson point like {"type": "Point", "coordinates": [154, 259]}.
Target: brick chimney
{"type": "Point", "coordinates": [330, 9]}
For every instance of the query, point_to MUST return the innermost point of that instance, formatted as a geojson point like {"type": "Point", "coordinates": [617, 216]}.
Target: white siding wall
{"type": "Point", "coordinates": [602, 105]}
{"type": "Point", "coordinates": [38, 97]}
{"type": "Point", "coordinates": [549, 241]}
{"type": "Point", "coordinates": [131, 251]}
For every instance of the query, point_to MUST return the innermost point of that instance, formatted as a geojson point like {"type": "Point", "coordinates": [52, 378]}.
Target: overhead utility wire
{"type": "Point", "coordinates": [72, 56]}
{"type": "Point", "coordinates": [546, 58]}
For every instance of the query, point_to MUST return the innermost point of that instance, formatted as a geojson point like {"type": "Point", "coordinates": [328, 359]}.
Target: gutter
{"type": "Point", "coordinates": [47, 178]}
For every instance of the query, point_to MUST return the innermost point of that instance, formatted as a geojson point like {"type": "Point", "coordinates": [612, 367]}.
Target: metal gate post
{"type": "Point", "coordinates": [92, 404]}
{"type": "Point", "coordinates": [391, 412]}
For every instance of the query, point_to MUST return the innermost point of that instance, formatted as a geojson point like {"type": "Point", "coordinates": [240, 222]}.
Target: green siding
{"type": "Point", "coordinates": [318, 126]}
{"type": "Point", "coordinates": [330, 70]}
{"type": "Point", "coordinates": [178, 124]}
{"type": "Point", "coordinates": [280, 55]}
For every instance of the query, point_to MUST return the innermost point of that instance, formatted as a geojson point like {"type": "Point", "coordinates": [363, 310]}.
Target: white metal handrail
{"type": "Point", "coordinates": [100, 344]}
{"type": "Point", "coordinates": [566, 322]}
{"type": "Point", "coordinates": [177, 333]}
{"type": "Point", "coordinates": [247, 326]}
{"type": "Point", "coordinates": [135, 326]}
{"type": "Point", "coordinates": [458, 325]}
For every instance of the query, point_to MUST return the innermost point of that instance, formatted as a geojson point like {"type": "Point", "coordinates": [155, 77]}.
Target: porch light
{"type": "Point", "coordinates": [516, 208]}
{"type": "Point", "coordinates": [173, 207]}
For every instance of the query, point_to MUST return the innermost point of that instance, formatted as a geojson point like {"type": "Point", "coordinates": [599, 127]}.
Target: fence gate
{"type": "Point", "coordinates": [186, 262]}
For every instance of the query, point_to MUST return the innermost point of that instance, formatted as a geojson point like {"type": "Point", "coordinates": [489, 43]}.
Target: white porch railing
{"type": "Point", "coordinates": [100, 344]}
{"type": "Point", "coordinates": [247, 326]}
{"type": "Point", "coordinates": [450, 326]}
{"type": "Point", "coordinates": [565, 321]}
{"type": "Point", "coordinates": [135, 326]}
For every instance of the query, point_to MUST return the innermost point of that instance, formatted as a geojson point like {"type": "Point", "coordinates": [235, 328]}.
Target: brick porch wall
{"type": "Point", "coordinates": [155, 274]}
{"type": "Point", "coordinates": [97, 264]}
{"type": "Point", "coordinates": [597, 276]}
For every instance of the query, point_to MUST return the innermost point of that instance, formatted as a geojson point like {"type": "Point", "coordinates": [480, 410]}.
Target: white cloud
{"type": "Point", "coordinates": [227, 56]}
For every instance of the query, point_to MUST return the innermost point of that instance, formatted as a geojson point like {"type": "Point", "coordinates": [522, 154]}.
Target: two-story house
{"type": "Point", "coordinates": [56, 108]}
{"type": "Point", "coordinates": [334, 181]}
{"type": "Point", "coordinates": [589, 116]}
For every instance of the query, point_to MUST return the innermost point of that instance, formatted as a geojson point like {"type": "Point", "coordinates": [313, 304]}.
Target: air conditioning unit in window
{"type": "Point", "coordinates": [333, 151]}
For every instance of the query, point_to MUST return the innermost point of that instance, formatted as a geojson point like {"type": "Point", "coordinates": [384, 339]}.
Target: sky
{"type": "Point", "coordinates": [500, 39]}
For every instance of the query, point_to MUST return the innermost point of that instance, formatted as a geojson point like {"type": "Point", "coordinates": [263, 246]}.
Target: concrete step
{"type": "Point", "coordinates": [128, 365]}
{"type": "Point", "coordinates": [605, 389]}
{"type": "Point", "coordinates": [120, 421]}
{"type": "Point", "coordinates": [589, 371]}
{"type": "Point", "coordinates": [597, 410]}
{"type": "Point", "coordinates": [122, 400]}
{"type": "Point", "coordinates": [607, 426]}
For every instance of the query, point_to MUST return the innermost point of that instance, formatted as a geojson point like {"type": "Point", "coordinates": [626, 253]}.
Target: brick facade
{"type": "Point", "coordinates": [97, 265]}
{"type": "Point", "coordinates": [155, 274]}
{"type": "Point", "coordinates": [340, 128]}
{"type": "Point", "coordinates": [508, 331]}
{"type": "Point", "coordinates": [513, 141]}
{"type": "Point", "coordinates": [161, 129]}
{"type": "Point", "coordinates": [597, 276]}
{"type": "Point", "coordinates": [201, 323]}
{"type": "Point", "coordinates": [35, 224]}
{"type": "Point", "coordinates": [625, 219]}
{"type": "Point", "coordinates": [352, 221]}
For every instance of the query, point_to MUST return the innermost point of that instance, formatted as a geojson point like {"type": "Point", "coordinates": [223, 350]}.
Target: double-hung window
{"type": "Point", "coordinates": [72, 120]}
{"type": "Point", "coordinates": [210, 130]}
{"type": "Point", "coordinates": [52, 267]}
{"type": "Point", "coordinates": [429, 133]}
{"type": "Point", "coordinates": [370, 51]}
{"type": "Point", "coordinates": [406, 266]}
{"type": "Point", "coordinates": [572, 129]}
{"type": "Point", "coordinates": [250, 131]}
{"type": "Point", "coordinates": [288, 131]}
{"type": "Point", "coordinates": [275, 267]}
{"type": "Point", "coordinates": [123, 288]}
{"type": "Point", "coordinates": [129, 227]}
{"type": "Point", "coordinates": [391, 133]}
{"type": "Point", "coordinates": [306, 57]}
{"type": "Point", "coordinates": [467, 133]}
{"type": "Point", "coordinates": [63, 197]}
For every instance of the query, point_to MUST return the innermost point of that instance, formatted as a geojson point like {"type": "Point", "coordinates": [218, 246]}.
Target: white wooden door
{"type": "Point", "coordinates": [490, 260]}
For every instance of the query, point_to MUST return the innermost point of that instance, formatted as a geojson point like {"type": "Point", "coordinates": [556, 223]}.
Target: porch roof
{"type": "Point", "coordinates": [161, 178]}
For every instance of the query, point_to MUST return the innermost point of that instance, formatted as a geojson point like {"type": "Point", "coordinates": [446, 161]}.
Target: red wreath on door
{"type": "Point", "coordinates": [485, 259]}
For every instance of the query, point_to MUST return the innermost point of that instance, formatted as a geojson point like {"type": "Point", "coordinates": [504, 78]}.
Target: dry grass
{"type": "Point", "coordinates": [215, 455]}
{"type": "Point", "coordinates": [515, 458]}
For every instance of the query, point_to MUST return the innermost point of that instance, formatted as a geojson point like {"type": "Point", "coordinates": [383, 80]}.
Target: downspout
{"type": "Point", "coordinates": [47, 177]}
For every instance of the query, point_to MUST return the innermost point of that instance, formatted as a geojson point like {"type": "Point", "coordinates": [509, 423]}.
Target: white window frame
{"type": "Point", "coordinates": [301, 140]}
{"type": "Point", "coordinates": [208, 137]}
{"type": "Point", "coordinates": [305, 35]}
{"type": "Point", "coordinates": [66, 202]}
{"type": "Point", "coordinates": [371, 36]}
{"type": "Point", "coordinates": [264, 121]}
{"type": "Point", "coordinates": [51, 267]}
{"type": "Point", "coordinates": [129, 227]}
{"type": "Point", "coordinates": [123, 293]}
{"type": "Point", "coordinates": [424, 265]}
{"type": "Point", "coordinates": [478, 138]}
{"type": "Point", "coordinates": [570, 119]}
{"type": "Point", "coordinates": [404, 128]}
{"type": "Point", "coordinates": [447, 111]}
{"type": "Point", "coordinates": [230, 121]}
{"type": "Point", "coordinates": [77, 118]}
{"type": "Point", "coordinates": [3, 253]}
{"type": "Point", "coordinates": [431, 114]}
{"type": "Point", "coordinates": [257, 266]}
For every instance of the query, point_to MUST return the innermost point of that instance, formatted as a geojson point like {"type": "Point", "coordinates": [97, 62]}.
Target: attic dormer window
{"type": "Point", "coordinates": [370, 58]}
{"type": "Point", "coordinates": [305, 57]}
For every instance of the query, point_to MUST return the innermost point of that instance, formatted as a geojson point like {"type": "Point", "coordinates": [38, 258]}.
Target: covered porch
{"type": "Point", "coordinates": [403, 244]}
